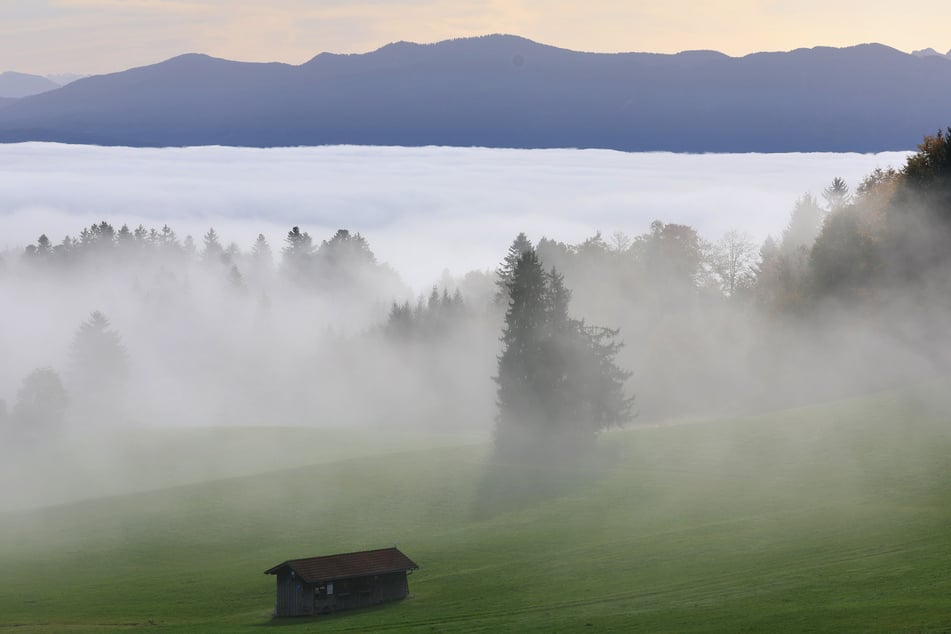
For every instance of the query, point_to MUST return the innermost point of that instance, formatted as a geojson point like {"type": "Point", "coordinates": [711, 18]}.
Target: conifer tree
{"type": "Point", "coordinates": [98, 370]}
{"type": "Point", "coordinates": [261, 253]}
{"type": "Point", "coordinates": [188, 247]}
{"type": "Point", "coordinates": [506, 270]}
{"type": "Point", "coordinates": [43, 246]}
{"type": "Point", "coordinates": [805, 223]}
{"type": "Point", "coordinates": [167, 238]}
{"type": "Point", "coordinates": [213, 250]}
{"type": "Point", "coordinates": [235, 279]}
{"type": "Point", "coordinates": [298, 252]}
{"type": "Point", "coordinates": [837, 194]}
{"type": "Point", "coordinates": [41, 403]}
{"type": "Point", "coordinates": [558, 384]}
{"type": "Point", "coordinates": [125, 240]}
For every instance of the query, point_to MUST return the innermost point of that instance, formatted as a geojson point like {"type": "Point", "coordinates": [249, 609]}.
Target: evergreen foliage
{"type": "Point", "coordinates": [213, 251]}
{"type": "Point", "coordinates": [235, 279]}
{"type": "Point", "coordinates": [506, 270]}
{"type": "Point", "coordinates": [41, 403]}
{"type": "Point", "coordinates": [438, 316]}
{"type": "Point", "coordinates": [837, 194]}
{"type": "Point", "coordinates": [98, 370]}
{"type": "Point", "coordinates": [298, 252]}
{"type": "Point", "coordinates": [261, 253]}
{"type": "Point", "coordinates": [918, 220]}
{"type": "Point", "coordinates": [557, 383]}
{"type": "Point", "coordinates": [805, 223]}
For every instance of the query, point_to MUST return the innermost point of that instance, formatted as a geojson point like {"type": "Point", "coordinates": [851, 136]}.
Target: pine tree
{"type": "Point", "coordinates": [521, 392]}
{"type": "Point", "coordinates": [141, 235]}
{"type": "Point", "coordinates": [98, 370]}
{"type": "Point", "coordinates": [167, 239]}
{"type": "Point", "coordinates": [261, 253]}
{"type": "Point", "coordinates": [125, 240]}
{"type": "Point", "coordinates": [506, 270]}
{"type": "Point", "coordinates": [558, 382]}
{"type": "Point", "coordinates": [235, 279]}
{"type": "Point", "coordinates": [805, 223]}
{"type": "Point", "coordinates": [345, 250]}
{"type": "Point", "coordinates": [188, 247]}
{"type": "Point", "coordinates": [837, 194]}
{"type": "Point", "coordinates": [43, 246]}
{"type": "Point", "coordinates": [298, 253]}
{"type": "Point", "coordinates": [400, 324]}
{"type": "Point", "coordinates": [213, 250]}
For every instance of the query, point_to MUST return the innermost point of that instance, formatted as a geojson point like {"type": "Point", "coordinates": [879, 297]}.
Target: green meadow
{"type": "Point", "coordinates": [835, 517]}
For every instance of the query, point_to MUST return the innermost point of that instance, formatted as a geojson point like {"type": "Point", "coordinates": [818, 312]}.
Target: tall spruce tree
{"type": "Point", "coordinates": [98, 371]}
{"type": "Point", "coordinates": [558, 382]}
{"type": "Point", "coordinates": [298, 254]}
{"type": "Point", "coordinates": [506, 270]}
{"type": "Point", "coordinates": [213, 250]}
{"type": "Point", "coordinates": [261, 253]}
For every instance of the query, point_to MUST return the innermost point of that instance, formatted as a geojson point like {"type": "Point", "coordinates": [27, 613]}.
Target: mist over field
{"type": "Point", "coordinates": [383, 310]}
{"type": "Point", "coordinates": [370, 343]}
{"type": "Point", "coordinates": [334, 349]}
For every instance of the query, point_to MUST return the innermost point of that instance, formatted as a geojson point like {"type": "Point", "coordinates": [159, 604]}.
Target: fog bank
{"type": "Point", "coordinates": [424, 209]}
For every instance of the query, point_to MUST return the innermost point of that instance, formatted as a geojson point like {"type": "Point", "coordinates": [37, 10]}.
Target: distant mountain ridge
{"type": "Point", "coordinates": [65, 78]}
{"type": "Point", "coordinates": [507, 91]}
{"type": "Point", "coordinates": [930, 52]}
{"type": "Point", "coordinates": [15, 85]}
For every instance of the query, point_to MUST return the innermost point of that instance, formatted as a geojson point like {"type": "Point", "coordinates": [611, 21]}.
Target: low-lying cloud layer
{"type": "Point", "coordinates": [123, 331]}
{"type": "Point", "coordinates": [422, 209]}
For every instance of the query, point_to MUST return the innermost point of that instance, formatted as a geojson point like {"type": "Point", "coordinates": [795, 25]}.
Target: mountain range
{"type": "Point", "coordinates": [507, 91]}
{"type": "Point", "coordinates": [15, 85]}
{"type": "Point", "coordinates": [930, 52]}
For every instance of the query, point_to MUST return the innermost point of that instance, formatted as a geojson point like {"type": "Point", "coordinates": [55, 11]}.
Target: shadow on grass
{"type": "Point", "coordinates": [513, 482]}
{"type": "Point", "coordinates": [292, 621]}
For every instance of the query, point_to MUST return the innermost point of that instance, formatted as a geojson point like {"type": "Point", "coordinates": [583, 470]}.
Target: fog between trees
{"type": "Point", "coordinates": [127, 326]}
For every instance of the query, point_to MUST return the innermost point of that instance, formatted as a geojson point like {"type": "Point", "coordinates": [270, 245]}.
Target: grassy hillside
{"type": "Point", "coordinates": [830, 518]}
{"type": "Point", "coordinates": [118, 462]}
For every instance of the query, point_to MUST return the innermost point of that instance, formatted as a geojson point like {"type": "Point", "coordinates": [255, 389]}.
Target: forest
{"type": "Point", "coordinates": [139, 326]}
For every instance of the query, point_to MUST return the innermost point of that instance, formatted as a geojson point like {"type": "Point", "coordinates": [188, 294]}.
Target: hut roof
{"type": "Point", "coordinates": [347, 565]}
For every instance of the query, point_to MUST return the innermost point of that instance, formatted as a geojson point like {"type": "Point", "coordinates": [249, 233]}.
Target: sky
{"type": "Point", "coordinates": [423, 210]}
{"type": "Point", "coordinates": [99, 36]}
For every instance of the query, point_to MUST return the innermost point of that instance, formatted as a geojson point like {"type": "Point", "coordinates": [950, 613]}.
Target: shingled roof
{"type": "Point", "coordinates": [347, 565]}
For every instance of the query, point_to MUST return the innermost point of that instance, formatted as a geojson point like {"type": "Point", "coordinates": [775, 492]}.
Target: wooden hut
{"type": "Point", "coordinates": [319, 585]}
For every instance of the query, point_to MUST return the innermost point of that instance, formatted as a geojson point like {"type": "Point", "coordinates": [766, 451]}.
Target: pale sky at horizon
{"type": "Point", "coordinates": [99, 36]}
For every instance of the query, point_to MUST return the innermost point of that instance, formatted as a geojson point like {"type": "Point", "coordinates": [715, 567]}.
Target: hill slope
{"type": "Point", "coordinates": [506, 91]}
{"type": "Point", "coordinates": [16, 85]}
{"type": "Point", "coordinates": [831, 518]}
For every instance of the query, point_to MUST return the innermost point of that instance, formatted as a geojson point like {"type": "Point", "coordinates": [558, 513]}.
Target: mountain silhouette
{"type": "Point", "coordinates": [15, 85]}
{"type": "Point", "coordinates": [507, 91]}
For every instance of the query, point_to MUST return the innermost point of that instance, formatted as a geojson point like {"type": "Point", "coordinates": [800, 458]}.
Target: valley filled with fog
{"type": "Point", "coordinates": [423, 210]}
{"type": "Point", "coordinates": [701, 379]}
{"type": "Point", "coordinates": [357, 288]}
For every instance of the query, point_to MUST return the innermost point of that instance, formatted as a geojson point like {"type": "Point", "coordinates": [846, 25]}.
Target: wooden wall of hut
{"type": "Point", "coordinates": [292, 600]}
